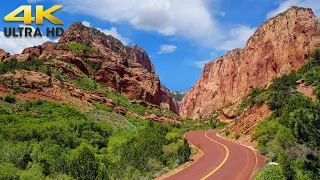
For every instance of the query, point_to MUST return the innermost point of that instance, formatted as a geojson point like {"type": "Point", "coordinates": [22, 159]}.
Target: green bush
{"type": "Point", "coordinates": [83, 164]}
{"type": "Point", "coordinates": [103, 107]}
{"type": "Point", "coordinates": [9, 171]}
{"type": "Point", "coordinates": [314, 61]}
{"type": "Point", "coordinates": [245, 103]}
{"type": "Point", "coordinates": [10, 98]}
{"type": "Point", "coordinates": [237, 136]}
{"type": "Point", "coordinates": [185, 151]}
{"type": "Point", "coordinates": [34, 172]}
{"type": "Point", "coordinates": [34, 64]}
{"type": "Point", "coordinates": [227, 132]}
{"type": "Point", "coordinates": [272, 172]}
{"type": "Point", "coordinates": [281, 90]}
{"type": "Point", "coordinates": [74, 47]}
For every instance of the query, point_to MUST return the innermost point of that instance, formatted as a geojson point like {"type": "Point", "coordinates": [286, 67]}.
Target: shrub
{"type": "Point", "coordinates": [281, 90]}
{"type": "Point", "coordinates": [245, 103]}
{"type": "Point", "coordinates": [237, 136]}
{"type": "Point", "coordinates": [10, 98]}
{"type": "Point", "coordinates": [214, 126]}
{"type": "Point", "coordinates": [16, 87]}
{"type": "Point", "coordinates": [227, 132]}
{"type": "Point", "coordinates": [103, 107]}
{"type": "Point", "coordinates": [185, 151]}
{"type": "Point", "coordinates": [34, 64]}
{"type": "Point", "coordinates": [8, 171]}
{"type": "Point", "coordinates": [272, 172]}
{"type": "Point", "coordinates": [83, 164]}
{"type": "Point", "coordinates": [314, 60]}
{"type": "Point", "coordinates": [81, 47]}
{"type": "Point", "coordinates": [33, 172]}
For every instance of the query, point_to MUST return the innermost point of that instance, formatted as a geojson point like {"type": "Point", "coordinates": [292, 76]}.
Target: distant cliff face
{"type": "Point", "coordinates": [278, 46]}
{"type": "Point", "coordinates": [178, 96]}
{"type": "Point", "coordinates": [127, 70]}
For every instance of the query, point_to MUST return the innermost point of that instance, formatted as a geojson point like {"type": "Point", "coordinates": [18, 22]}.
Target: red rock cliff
{"type": "Point", "coordinates": [126, 69]}
{"type": "Point", "coordinates": [278, 46]}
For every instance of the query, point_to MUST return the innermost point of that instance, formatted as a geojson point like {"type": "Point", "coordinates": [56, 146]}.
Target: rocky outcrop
{"type": "Point", "coordinates": [246, 123]}
{"type": "Point", "coordinates": [127, 70]}
{"type": "Point", "coordinates": [3, 55]}
{"type": "Point", "coordinates": [278, 46]}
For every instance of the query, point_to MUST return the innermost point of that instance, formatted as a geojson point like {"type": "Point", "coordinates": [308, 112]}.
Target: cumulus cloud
{"type": "Point", "coordinates": [239, 37]}
{"type": "Point", "coordinates": [112, 31]}
{"type": "Point", "coordinates": [15, 45]}
{"type": "Point", "coordinates": [284, 5]}
{"type": "Point", "coordinates": [201, 64]}
{"type": "Point", "coordinates": [165, 49]}
{"type": "Point", "coordinates": [189, 19]}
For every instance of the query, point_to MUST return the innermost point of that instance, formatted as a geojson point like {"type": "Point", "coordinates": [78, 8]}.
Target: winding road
{"type": "Point", "coordinates": [222, 159]}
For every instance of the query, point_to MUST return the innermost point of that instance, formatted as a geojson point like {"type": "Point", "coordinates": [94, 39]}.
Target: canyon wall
{"type": "Point", "coordinates": [279, 45]}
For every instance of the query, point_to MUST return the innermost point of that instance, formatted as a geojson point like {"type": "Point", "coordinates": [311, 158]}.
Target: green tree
{"type": "Point", "coordinates": [185, 151]}
{"type": "Point", "coordinates": [83, 164]}
{"type": "Point", "coordinates": [34, 172]}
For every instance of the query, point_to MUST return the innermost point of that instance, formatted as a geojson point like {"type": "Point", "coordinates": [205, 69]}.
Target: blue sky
{"type": "Point", "coordinates": [180, 36]}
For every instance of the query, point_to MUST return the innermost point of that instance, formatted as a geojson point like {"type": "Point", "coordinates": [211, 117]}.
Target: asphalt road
{"type": "Point", "coordinates": [222, 159]}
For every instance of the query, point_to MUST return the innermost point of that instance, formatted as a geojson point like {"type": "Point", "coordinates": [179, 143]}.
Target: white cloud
{"type": "Point", "coordinates": [239, 37]}
{"type": "Point", "coordinates": [165, 49]}
{"type": "Point", "coordinates": [34, 1]}
{"type": "Point", "coordinates": [201, 64]}
{"type": "Point", "coordinates": [85, 23]}
{"type": "Point", "coordinates": [112, 31]}
{"type": "Point", "coordinates": [18, 44]}
{"type": "Point", "coordinates": [314, 4]}
{"type": "Point", "coordinates": [189, 19]}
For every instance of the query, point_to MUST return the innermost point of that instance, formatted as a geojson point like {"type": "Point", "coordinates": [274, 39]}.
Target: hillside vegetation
{"type": "Point", "coordinates": [106, 136]}
{"type": "Point", "coordinates": [291, 135]}
{"type": "Point", "coordinates": [45, 139]}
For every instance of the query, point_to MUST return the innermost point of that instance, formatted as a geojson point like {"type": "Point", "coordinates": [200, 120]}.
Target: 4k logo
{"type": "Point", "coordinates": [27, 18]}
{"type": "Point", "coordinates": [40, 15]}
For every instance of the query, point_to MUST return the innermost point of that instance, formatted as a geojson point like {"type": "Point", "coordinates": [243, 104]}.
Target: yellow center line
{"type": "Point", "coordinates": [224, 160]}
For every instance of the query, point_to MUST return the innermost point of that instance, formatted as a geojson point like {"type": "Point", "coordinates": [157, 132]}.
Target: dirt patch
{"type": "Point", "coordinates": [307, 91]}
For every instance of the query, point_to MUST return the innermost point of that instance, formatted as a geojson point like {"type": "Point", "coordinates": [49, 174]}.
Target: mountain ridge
{"type": "Point", "coordinates": [104, 59]}
{"type": "Point", "coordinates": [279, 45]}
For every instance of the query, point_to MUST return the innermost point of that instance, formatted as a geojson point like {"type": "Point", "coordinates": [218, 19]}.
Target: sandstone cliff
{"type": "Point", "coordinates": [127, 70]}
{"type": "Point", "coordinates": [278, 46]}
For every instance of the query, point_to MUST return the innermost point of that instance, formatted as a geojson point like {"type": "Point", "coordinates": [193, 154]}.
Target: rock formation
{"type": "Point", "coordinates": [278, 46]}
{"type": "Point", "coordinates": [127, 70]}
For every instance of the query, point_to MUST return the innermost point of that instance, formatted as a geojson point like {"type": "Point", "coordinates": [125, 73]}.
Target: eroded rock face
{"type": "Point", "coordinates": [246, 123]}
{"type": "Point", "coordinates": [278, 46]}
{"type": "Point", "coordinates": [128, 70]}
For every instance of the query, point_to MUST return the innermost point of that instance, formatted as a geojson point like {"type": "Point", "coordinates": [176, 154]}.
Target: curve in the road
{"type": "Point", "coordinates": [222, 159]}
